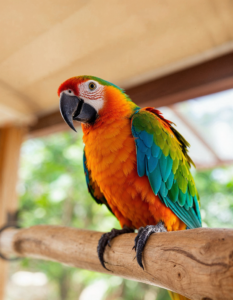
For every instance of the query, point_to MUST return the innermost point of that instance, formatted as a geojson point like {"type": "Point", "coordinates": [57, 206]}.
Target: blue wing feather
{"type": "Point", "coordinates": [156, 162]}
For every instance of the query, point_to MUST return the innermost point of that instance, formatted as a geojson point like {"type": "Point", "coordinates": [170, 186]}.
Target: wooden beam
{"type": "Point", "coordinates": [47, 124]}
{"type": "Point", "coordinates": [210, 77]}
{"type": "Point", "coordinates": [209, 166]}
{"type": "Point", "coordinates": [207, 78]}
{"type": "Point", "coordinates": [10, 143]}
{"type": "Point", "coordinates": [195, 263]}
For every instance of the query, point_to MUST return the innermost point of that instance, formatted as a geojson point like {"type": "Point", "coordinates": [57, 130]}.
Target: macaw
{"type": "Point", "coordinates": [135, 162]}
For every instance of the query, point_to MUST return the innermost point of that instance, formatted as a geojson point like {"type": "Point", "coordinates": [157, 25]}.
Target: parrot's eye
{"type": "Point", "coordinates": [69, 92]}
{"type": "Point", "coordinates": [92, 86]}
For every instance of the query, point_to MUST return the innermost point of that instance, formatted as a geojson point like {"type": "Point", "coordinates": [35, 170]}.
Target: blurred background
{"type": "Point", "coordinates": [176, 56]}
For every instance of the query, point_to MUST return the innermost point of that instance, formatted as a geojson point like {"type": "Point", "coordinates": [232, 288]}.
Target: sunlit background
{"type": "Point", "coordinates": [165, 54]}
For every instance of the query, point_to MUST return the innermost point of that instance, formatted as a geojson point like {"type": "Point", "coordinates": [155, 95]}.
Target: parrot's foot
{"type": "Point", "coordinates": [142, 237]}
{"type": "Point", "coordinates": [106, 239]}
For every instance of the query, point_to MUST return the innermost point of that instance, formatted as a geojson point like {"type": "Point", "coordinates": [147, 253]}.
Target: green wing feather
{"type": "Point", "coordinates": [162, 155]}
{"type": "Point", "coordinates": [92, 185]}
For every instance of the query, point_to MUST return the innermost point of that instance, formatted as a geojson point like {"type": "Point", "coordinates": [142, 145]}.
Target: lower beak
{"type": "Point", "coordinates": [74, 108]}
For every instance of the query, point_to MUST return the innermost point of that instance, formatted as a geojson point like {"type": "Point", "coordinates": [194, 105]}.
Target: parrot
{"type": "Point", "coordinates": [135, 162]}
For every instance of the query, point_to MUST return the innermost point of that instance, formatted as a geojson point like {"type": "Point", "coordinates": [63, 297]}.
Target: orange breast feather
{"type": "Point", "coordinates": [111, 157]}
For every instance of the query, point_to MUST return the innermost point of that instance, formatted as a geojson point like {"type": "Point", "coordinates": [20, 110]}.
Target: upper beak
{"type": "Point", "coordinates": [74, 108]}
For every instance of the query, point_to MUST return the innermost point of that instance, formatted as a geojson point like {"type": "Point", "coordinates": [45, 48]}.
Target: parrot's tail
{"type": "Point", "coordinates": [175, 296]}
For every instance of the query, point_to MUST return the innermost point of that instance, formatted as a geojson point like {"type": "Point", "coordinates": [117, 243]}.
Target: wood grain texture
{"type": "Point", "coordinates": [196, 263]}
{"type": "Point", "coordinates": [206, 78]}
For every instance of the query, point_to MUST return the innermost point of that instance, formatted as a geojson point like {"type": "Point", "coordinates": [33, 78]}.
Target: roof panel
{"type": "Point", "coordinates": [126, 42]}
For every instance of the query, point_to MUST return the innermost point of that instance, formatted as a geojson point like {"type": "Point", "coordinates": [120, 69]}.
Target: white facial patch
{"type": "Point", "coordinates": [94, 97]}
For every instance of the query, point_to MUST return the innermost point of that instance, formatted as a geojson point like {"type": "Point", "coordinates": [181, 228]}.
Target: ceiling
{"type": "Point", "coordinates": [127, 42]}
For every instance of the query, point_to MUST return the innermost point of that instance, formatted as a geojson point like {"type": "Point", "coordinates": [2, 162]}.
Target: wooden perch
{"type": "Point", "coordinates": [196, 263]}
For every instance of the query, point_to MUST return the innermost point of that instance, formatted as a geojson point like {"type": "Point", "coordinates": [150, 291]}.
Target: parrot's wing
{"type": "Point", "coordinates": [93, 187]}
{"type": "Point", "coordinates": [162, 156]}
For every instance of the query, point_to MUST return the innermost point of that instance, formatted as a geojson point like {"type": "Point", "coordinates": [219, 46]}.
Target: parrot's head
{"type": "Point", "coordinates": [86, 99]}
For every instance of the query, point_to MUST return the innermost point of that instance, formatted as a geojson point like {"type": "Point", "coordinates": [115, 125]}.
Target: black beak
{"type": "Point", "coordinates": [74, 108]}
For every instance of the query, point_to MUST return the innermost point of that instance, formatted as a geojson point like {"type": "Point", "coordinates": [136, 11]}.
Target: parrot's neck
{"type": "Point", "coordinates": [117, 107]}
{"type": "Point", "coordinates": [106, 140]}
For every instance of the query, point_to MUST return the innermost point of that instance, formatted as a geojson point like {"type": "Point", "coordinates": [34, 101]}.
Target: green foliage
{"type": "Point", "coordinates": [215, 188]}
{"type": "Point", "coordinates": [53, 191]}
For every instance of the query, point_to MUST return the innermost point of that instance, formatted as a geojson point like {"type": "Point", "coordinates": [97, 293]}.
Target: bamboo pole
{"type": "Point", "coordinates": [195, 263]}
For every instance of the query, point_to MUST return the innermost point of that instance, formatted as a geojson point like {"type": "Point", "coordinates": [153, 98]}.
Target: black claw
{"type": "Point", "coordinates": [142, 237]}
{"type": "Point", "coordinates": [101, 247]}
{"type": "Point", "coordinates": [137, 237]}
{"type": "Point", "coordinates": [106, 240]}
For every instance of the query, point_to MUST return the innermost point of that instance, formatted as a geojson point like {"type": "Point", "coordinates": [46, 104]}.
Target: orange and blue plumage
{"type": "Point", "coordinates": [161, 155]}
{"type": "Point", "coordinates": [164, 160]}
{"type": "Point", "coordinates": [135, 161]}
